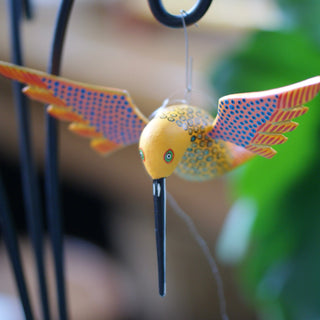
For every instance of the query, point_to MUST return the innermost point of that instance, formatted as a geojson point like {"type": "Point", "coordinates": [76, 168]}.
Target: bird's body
{"type": "Point", "coordinates": [180, 138]}
{"type": "Point", "coordinates": [204, 158]}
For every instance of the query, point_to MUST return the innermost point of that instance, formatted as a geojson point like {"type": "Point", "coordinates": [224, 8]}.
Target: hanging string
{"type": "Point", "coordinates": [188, 67]}
{"type": "Point", "coordinates": [206, 251]}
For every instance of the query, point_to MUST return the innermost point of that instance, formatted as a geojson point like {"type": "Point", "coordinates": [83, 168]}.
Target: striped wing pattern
{"type": "Point", "coordinates": [257, 120]}
{"type": "Point", "coordinates": [106, 115]}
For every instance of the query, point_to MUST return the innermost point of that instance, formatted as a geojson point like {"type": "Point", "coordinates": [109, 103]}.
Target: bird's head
{"type": "Point", "coordinates": [162, 145]}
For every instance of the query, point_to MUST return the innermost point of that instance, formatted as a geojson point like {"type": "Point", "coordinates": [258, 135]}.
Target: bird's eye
{"type": "Point", "coordinates": [168, 156]}
{"type": "Point", "coordinates": [141, 154]}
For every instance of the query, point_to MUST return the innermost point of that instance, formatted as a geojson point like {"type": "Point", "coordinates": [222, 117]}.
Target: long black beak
{"type": "Point", "coordinates": [159, 199]}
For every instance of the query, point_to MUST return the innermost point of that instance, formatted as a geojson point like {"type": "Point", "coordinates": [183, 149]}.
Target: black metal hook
{"type": "Point", "coordinates": [174, 21]}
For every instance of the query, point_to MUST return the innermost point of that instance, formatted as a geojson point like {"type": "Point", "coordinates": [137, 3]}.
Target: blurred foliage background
{"type": "Point", "coordinates": [277, 249]}
{"type": "Point", "coordinates": [270, 235]}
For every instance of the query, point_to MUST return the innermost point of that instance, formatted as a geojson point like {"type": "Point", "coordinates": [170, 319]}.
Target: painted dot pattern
{"type": "Point", "coordinates": [240, 119]}
{"type": "Point", "coordinates": [110, 112]}
{"type": "Point", "coordinates": [193, 120]}
{"type": "Point", "coordinates": [256, 120]}
{"type": "Point", "coordinates": [205, 158]}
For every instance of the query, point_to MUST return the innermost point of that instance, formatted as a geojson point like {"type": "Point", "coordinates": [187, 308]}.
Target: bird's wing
{"type": "Point", "coordinates": [106, 115]}
{"type": "Point", "coordinates": [257, 120]}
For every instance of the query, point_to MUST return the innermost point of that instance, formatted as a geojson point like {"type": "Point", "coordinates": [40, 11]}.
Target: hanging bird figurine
{"type": "Point", "coordinates": [180, 138]}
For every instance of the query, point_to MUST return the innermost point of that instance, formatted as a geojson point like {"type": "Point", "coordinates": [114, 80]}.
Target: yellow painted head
{"type": "Point", "coordinates": [162, 145]}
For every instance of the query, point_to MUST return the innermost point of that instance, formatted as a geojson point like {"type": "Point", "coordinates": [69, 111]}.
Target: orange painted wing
{"type": "Point", "coordinates": [106, 115]}
{"type": "Point", "coordinates": [257, 120]}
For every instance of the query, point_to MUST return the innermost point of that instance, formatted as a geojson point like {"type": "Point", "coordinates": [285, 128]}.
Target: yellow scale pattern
{"type": "Point", "coordinates": [205, 158]}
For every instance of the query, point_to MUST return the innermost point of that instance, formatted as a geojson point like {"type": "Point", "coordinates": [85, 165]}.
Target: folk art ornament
{"type": "Point", "coordinates": [181, 138]}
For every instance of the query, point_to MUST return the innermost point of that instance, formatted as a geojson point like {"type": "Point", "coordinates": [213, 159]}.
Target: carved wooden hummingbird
{"type": "Point", "coordinates": [179, 138]}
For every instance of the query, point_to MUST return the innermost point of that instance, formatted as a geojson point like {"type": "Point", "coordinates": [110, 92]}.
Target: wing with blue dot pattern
{"type": "Point", "coordinates": [105, 114]}
{"type": "Point", "coordinates": [256, 120]}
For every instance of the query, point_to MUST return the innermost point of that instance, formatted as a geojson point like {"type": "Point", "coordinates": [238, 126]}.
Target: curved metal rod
{"type": "Point", "coordinates": [10, 239]}
{"type": "Point", "coordinates": [28, 9]}
{"type": "Point", "coordinates": [30, 185]}
{"type": "Point", "coordinates": [174, 21]}
{"type": "Point", "coordinates": [51, 165]}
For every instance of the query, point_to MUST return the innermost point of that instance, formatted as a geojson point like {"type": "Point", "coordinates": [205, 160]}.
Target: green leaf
{"type": "Point", "coordinates": [303, 15]}
{"type": "Point", "coordinates": [284, 240]}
